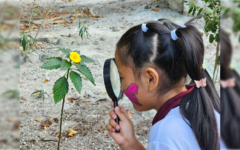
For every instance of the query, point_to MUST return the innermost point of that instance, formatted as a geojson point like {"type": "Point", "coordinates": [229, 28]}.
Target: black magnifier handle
{"type": "Point", "coordinates": [117, 119]}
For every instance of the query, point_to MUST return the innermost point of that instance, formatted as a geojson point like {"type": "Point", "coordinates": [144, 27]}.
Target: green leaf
{"type": "Point", "coordinates": [86, 59]}
{"type": "Point", "coordinates": [200, 10]}
{"type": "Point", "coordinates": [65, 51]}
{"type": "Point", "coordinates": [36, 92]}
{"type": "Point", "coordinates": [52, 63]}
{"type": "Point", "coordinates": [85, 71]}
{"type": "Point", "coordinates": [32, 38]}
{"type": "Point", "coordinates": [12, 94]}
{"type": "Point", "coordinates": [65, 65]}
{"type": "Point", "coordinates": [194, 10]}
{"type": "Point", "coordinates": [17, 66]}
{"type": "Point", "coordinates": [190, 10]}
{"type": "Point", "coordinates": [77, 51]}
{"type": "Point", "coordinates": [60, 89]}
{"type": "Point", "coordinates": [211, 38]}
{"type": "Point", "coordinates": [48, 95]}
{"type": "Point", "coordinates": [76, 80]}
{"type": "Point", "coordinates": [25, 42]}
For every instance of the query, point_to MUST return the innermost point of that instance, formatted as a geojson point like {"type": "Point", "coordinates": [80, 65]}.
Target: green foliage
{"type": "Point", "coordinates": [76, 80]}
{"type": "Point", "coordinates": [83, 30]}
{"type": "Point", "coordinates": [26, 40]}
{"type": "Point", "coordinates": [66, 51]}
{"type": "Point", "coordinates": [86, 59]}
{"type": "Point", "coordinates": [60, 89]}
{"type": "Point", "coordinates": [234, 13]}
{"type": "Point", "coordinates": [65, 65]}
{"type": "Point", "coordinates": [211, 15]}
{"type": "Point", "coordinates": [12, 94]}
{"type": "Point", "coordinates": [40, 94]}
{"type": "Point", "coordinates": [52, 63]}
{"type": "Point", "coordinates": [85, 71]}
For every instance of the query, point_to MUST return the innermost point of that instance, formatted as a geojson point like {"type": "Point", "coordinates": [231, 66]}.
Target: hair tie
{"type": "Point", "coordinates": [144, 27]}
{"type": "Point", "coordinates": [174, 35]}
{"type": "Point", "coordinates": [182, 26]}
{"type": "Point", "coordinates": [228, 83]}
{"type": "Point", "coordinates": [201, 83]}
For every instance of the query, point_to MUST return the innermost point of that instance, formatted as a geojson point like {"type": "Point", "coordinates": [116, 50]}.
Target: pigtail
{"type": "Point", "coordinates": [198, 106]}
{"type": "Point", "coordinates": [230, 114]}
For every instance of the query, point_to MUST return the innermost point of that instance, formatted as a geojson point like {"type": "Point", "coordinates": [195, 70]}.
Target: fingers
{"type": "Point", "coordinates": [122, 109]}
{"type": "Point", "coordinates": [113, 124]}
{"type": "Point", "coordinates": [113, 115]}
{"type": "Point", "coordinates": [110, 128]}
{"type": "Point", "coordinates": [121, 114]}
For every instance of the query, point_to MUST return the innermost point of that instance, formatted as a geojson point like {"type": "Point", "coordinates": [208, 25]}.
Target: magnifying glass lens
{"type": "Point", "coordinates": [115, 79]}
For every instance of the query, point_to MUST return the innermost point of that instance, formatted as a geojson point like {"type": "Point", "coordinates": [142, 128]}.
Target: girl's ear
{"type": "Point", "coordinates": [152, 78]}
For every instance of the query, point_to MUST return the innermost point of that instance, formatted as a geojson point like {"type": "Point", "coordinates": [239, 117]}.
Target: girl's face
{"type": "Point", "coordinates": [139, 92]}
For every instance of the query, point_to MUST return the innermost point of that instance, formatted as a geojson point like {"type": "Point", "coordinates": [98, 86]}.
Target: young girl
{"type": "Point", "coordinates": [153, 61]}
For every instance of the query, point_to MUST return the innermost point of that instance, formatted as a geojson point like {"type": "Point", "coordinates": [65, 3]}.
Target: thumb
{"type": "Point", "coordinates": [120, 114]}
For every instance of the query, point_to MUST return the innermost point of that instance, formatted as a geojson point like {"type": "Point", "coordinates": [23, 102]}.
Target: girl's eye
{"type": "Point", "coordinates": [121, 79]}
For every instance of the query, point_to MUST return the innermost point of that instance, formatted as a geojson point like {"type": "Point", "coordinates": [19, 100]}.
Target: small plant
{"type": "Point", "coordinates": [40, 94]}
{"type": "Point", "coordinates": [27, 41]}
{"type": "Point", "coordinates": [83, 30]}
{"type": "Point", "coordinates": [75, 67]}
{"type": "Point", "coordinates": [12, 94]}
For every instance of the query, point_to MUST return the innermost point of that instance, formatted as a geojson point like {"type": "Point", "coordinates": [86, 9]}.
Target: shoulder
{"type": "Point", "coordinates": [173, 131]}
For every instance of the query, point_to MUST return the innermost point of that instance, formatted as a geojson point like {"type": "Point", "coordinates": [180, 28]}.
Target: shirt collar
{"type": "Point", "coordinates": [171, 103]}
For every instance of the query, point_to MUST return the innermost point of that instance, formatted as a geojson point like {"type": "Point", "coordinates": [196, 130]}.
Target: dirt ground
{"type": "Point", "coordinates": [88, 114]}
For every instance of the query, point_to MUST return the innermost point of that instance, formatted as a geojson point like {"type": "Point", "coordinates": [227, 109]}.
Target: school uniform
{"type": "Point", "coordinates": [170, 131]}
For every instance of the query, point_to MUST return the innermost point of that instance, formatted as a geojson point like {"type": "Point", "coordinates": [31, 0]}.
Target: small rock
{"type": "Point", "coordinates": [61, 42]}
{"type": "Point", "coordinates": [115, 29]}
{"type": "Point", "coordinates": [95, 42]}
{"type": "Point", "coordinates": [51, 120]}
{"type": "Point", "coordinates": [78, 103]}
{"type": "Point", "coordinates": [56, 120]}
{"type": "Point", "coordinates": [49, 138]}
{"type": "Point", "coordinates": [91, 119]}
{"type": "Point", "coordinates": [147, 6]}
{"type": "Point", "coordinates": [33, 57]}
{"type": "Point", "coordinates": [102, 38]}
{"type": "Point", "coordinates": [43, 56]}
{"type": "Point", "coordinates": [124, 6]}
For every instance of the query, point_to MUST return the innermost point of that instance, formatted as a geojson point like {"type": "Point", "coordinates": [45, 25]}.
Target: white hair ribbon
{"type": "Point", "coordinates": [144, 27]}
{"type": "Point", "coordinates": [174, 35]}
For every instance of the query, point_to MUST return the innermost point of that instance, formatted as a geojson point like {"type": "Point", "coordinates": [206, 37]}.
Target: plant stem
{"type": "Point", "coordinates": [44, 20]}
{"type": "Point", "coordinates": [31, 16]}
{"type": "Point", "coordinates": [215, 66]}
{"type": "Point", "coordinates": [61, 117]}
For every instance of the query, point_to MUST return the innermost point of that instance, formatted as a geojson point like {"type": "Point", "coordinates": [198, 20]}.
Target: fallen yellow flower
{"type": "Point", "coordinates": [71, 132]}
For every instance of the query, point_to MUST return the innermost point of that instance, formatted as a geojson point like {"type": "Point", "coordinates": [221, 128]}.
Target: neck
{"type": "Point", "coordinates": [161, 100]}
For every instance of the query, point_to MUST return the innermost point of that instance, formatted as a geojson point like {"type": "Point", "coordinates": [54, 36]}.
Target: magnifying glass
{"type": "Point", "coordinates": [112, 82]}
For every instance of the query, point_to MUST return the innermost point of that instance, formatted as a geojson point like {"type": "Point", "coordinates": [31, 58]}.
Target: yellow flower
{"type": "Point", "coordinates": [75, 57]}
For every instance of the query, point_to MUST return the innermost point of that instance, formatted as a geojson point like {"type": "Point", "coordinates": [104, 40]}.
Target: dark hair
{"type": "Point", "coordinates": [230, 97]}
{"type": "Point", "coordinates": [176, 60]}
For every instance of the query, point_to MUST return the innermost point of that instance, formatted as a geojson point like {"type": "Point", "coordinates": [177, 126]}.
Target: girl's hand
{"type": "Point", "coordinates": [126, 138]}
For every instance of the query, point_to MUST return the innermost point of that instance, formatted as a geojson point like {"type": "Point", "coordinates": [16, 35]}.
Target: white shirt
{"type": "Point", "coordinates": [173, 133]}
